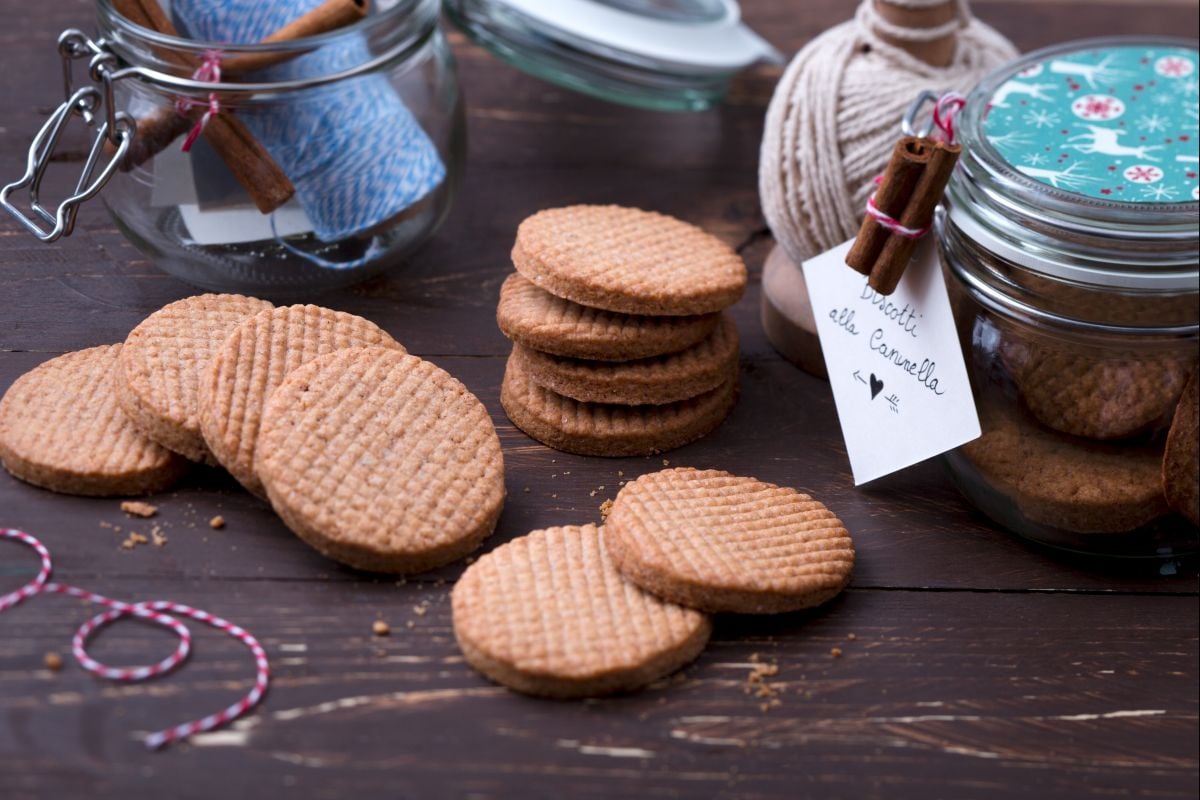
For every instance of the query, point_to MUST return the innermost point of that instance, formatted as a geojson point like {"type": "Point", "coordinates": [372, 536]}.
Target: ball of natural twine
{"type": "Point", "coordinates": [834, 119]}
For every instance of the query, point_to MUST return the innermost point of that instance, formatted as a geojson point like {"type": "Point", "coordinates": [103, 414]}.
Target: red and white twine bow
{"type": "Point", "coordinates": [944, 112]}
{"type": "Point", "coordinates": [151, 610]}
{"type": "Point", "coordinates": [209, 71]}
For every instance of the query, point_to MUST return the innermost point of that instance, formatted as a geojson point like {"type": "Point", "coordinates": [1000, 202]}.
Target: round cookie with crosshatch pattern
{"type": "Point", "coordinates": [607, 429]}
{"type": "Point", "coordinates": [548, 614]}
{"type": "Point", "coordinates": [62, 429]}
{"type": "Point", "coordinates": [648, 381]}
{"type": "Point", "coordinates": [538, 320]}
{"type": "Point", "coordinates": [628, 260]}
{"type": "Point", "coordinates": [1095, 393]}
{"type": "Point", "coordinates": [1065, 482]}
{"type": "Point", "coordinates": [381, 460]}
{"type": "Point", "coordinates": [254, 360]}
{"type": "Point", "coordinates": [159, 368]}
{"type": "Point", "coordinates": [714, 541]}
{"type": "Point", "coordinates": [1181, 461]}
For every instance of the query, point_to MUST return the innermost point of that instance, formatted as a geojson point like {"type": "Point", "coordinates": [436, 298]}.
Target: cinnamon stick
{"type": "Point", "coordinates": [157, 130]}
{"type": "Point", "coordinates": [898, 250]}
{"type": "Point", "coordinates": [908, 161]}
{"type": "Point", "coordinates": [329, 16]}
{"type": "Point", "coordinates": [265, 183]}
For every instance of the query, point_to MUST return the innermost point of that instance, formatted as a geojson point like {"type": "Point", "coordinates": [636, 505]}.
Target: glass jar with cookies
{"type": "Point", "coordinates": [1070, 232]}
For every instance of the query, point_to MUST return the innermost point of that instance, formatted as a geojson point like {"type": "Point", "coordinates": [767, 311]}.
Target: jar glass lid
{"type": "Point", "coordinates": [1080, 162]}
{"type": "Point", "coordinates": [663, 54]}
{"type": "Point", "coordinates": [1109, 122]}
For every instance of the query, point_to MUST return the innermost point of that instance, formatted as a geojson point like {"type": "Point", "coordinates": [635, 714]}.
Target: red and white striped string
{"type": "Point", "coordinates": [153, 611]}
{"type": "Point", "coordinates": [944, 112]}
{"type": "Point", "coordinates": [209, 71]}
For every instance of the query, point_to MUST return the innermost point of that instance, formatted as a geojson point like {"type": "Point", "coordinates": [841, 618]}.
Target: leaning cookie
{"type": "Point", "coordinates": [381, 460]}
{"type": "Point", "coordinates": [1092, 394]}
{"type": "Point", "coordinates": [1071, 484]}
{"type": "Point", "coordinates": [1181, 461]}
{"type": "Point", "coordinates": [253, 361]}
{"type": "Point", "coordinates": [158, 371]}
{"type": "Point", "coordinates": [714, 541]}
{"type": "Point", "coordinates": [62, 429]}
{"type": "Point", "coordinates": [538, 320]}
{"type": "Point", "coordinates": [603, 429]}
{"type": "Point", "coordinates": [649, 381]}
{"type": "Point", "coordinates": [548, 614]}
{"type": "Point", "coordinates": [628, 260]}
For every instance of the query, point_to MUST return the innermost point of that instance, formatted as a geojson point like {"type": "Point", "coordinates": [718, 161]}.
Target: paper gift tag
{"type": "Point", "coordinates": [895, 363]}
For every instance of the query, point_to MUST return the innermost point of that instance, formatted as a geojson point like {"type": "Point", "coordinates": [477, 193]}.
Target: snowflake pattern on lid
{"type": "Point", "coordinates": [1117, 123]}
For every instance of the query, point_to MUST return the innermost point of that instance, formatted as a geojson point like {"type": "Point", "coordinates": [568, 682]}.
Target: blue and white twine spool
{"type": "Point", "coordinates": [355, 153]}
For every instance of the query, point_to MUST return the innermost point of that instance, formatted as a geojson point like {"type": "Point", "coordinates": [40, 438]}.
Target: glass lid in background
{"type": "Point", "coordinates": [669, 55]}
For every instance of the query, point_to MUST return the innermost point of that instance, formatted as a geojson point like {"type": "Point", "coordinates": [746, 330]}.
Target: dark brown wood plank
{"type": "Point", "coordinates": [1045, 678]}
{"type": "Point", "coordinates": [935, 697]}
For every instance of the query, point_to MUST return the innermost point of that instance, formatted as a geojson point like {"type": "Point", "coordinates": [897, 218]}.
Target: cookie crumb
{"type": "Point", "coordinates": [606, 509]}
{"type": "Point", "coordinates": [217, 522]}
{"type": "Point", "coordinates": [157, 537]}
{"type": "Point", "coordinates": [851, 637]}
{"type": "Point", "coordinates": [666, 462]}
{"type": "Point", "coordinates": [836, 652]}
{"type": "Point", "coordinates": [136, 508]}
{"type": "Point", "coordinates": [133, 540]}
{"type": "Point", "coordinates": [757, 685]}
{"type": "Point", "coordinates": [409, 624]}
{"type": "Point", "coordinates": [420, 610]}
{"type": "Point", "coordinates": [380, 628]}
{"type": "Point", "coordinates": [526, 490]}
{"type": "Point", "coordinates": [620, 473]}
{"type": "Point", "coordinates": [53, 661]}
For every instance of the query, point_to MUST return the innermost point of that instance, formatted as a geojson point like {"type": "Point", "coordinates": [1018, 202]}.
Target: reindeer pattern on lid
{"type": "Point", "coordinates": [1115, 123]}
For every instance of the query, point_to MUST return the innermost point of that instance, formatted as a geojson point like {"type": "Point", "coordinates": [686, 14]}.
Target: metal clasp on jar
{"type": "Point", "coordinates": [115, 127]}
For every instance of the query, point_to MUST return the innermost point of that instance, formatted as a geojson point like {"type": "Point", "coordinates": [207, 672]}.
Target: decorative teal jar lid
{"type": "Point", "coordinates": [1118, 123]}
{"type": "Point", "coordinates": [1080, 162]}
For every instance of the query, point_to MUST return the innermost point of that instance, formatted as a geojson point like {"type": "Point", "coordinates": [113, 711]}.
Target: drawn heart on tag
{"type": "Point", "coordinates": [876, 386]}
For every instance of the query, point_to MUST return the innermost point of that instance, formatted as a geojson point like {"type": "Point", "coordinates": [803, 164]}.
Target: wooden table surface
{"type": "Point", "coordinates": [979, 666]}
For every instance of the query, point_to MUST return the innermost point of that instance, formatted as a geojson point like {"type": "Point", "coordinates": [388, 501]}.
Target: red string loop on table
{"type": "Point", "coordinates": [209, 71]}
{"type": "Point", "coordinates": [152, 611]}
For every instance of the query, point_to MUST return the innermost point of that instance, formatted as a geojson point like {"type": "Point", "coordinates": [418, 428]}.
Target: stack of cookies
{"type": "Point", "coordinates": [376, 458]}
{"type": "Point", "coordinates": [620, 343]}
{"type": "Point", "coordinates": [578, 611]}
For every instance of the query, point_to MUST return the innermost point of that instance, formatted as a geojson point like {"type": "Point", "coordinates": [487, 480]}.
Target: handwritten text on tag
{"type": "Point", "coordinates": [894, 362]}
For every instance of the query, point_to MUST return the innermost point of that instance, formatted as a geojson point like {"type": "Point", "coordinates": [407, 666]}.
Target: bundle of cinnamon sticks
{"type": "Point", "coordinates": [263, 180]}
{"type": "Point", "coordinates": [910, 190]}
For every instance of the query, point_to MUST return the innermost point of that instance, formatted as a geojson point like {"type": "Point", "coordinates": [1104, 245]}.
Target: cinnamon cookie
{"type": "Point", "coordinates": [1181, 462]}
{"type": "Point", "coordinates": [254, 359]}
{"type": "Point", "coordinates": [547, 614]}
{"type": "Point", "coordinates": [61, 429]}
{"type": "Point", "coordinates": [713, 541]}
{"type": "Point", "coordinates": [160, 366]}
{"type": "Point", "coordinates": [1099, 395]}
{"type": "Point", "coordinates": [649, 381]}
{"type": "Point", "coordinates": [381, 460]}
{"type": "Point", "coordinates": [602, 429]}
{"type": "Point", "coordinates": [628, 260]}
{"type": "Point", "coordinates": [539, 320]}
{"type": "Point", "coordinates": [1072, 484]}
